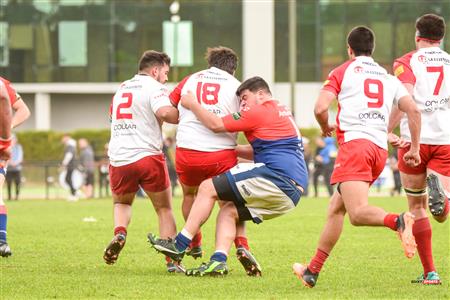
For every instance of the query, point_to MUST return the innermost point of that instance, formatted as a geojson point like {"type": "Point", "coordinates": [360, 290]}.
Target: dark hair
{"type": "Point", "coordinates": [223, 58]}
{"type": "Point", "coordinates": [431, 27]}
{"type": "Point", "coordinates": [253, 84]}
{"type": "Point", "coordinates": [362, 40]}
{"type": "Point", "coordinates": [152, 58]}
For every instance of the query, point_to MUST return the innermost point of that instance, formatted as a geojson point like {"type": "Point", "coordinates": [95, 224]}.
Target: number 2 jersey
{"type": "Point", "coordinates": [215, 89]}
{"type": "Point", "coordinates": [365, 94]}
{"type": "Point", "coordinates": [135, 129]}
{"type": "Point", "coordinates": [428, 70]}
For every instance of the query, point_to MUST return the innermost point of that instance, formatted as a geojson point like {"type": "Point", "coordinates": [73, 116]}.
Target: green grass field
{"type": "Point", "coordinates": [57, 255]}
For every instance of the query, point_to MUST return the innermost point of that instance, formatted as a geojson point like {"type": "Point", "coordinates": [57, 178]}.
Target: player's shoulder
{"type": "Point", "coordinates": [340, 70]}
{"type": "Point", "coordinates": [406, 58]}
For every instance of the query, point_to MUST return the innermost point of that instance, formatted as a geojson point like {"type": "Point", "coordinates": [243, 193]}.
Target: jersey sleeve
{"type": "Point", "coordinates": [334, 80]}
{"type": "Point", "coordinates": [244, 120]}
{"type": "Point", "coordinates": [159, 98]}
{"type": "Point", "coordinates": [403, 71]}
{"type": "Point", "coordinates": [400, 92]}
{"type": "Point", "coordinates": [175, 95]}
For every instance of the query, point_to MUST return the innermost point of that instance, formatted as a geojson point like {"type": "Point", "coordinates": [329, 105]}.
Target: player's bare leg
{"type": "Point", "coordinates": [189, 192]}
{"type": "Point", "coordinates": [5, 251]}
{"type": "Point", "coordinates": [162, 202]}
{"type": "Point", "coordinates": [438, 195]}
{"type": "Point", "coordinates": [122, 217]}
{"type": "Point", "coordinates": [202, 207]}
{"type": "Point", "coordinates": [355, 196]}
{"type": "Point", "coordinates": [328, 239]}
{"type": "Point", "coordinates": [416, 194]}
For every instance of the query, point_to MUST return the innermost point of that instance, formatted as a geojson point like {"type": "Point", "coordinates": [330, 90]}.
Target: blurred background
{"type": "Point", "coordinates": [67, 57]}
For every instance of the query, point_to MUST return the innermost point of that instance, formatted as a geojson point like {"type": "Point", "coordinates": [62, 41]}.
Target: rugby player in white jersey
{"type": "Point", "coordinates": [202, 154]}
{"type": "Point", "coordinates": [138, 109]}
{"type": "Point", "coordinates": [425, 73]}
{"type": "Point", "coordinates": [365, 93]}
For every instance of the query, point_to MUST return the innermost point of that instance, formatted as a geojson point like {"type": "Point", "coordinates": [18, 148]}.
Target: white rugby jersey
{"type": "Point", "coordinates": [216, 91]}
{"type": "Point", "coordinates": [135, 130]}
{"type": "Point", "coordinates": [428, 70]}
{"type": "Point", "coordinates": [365, 94]}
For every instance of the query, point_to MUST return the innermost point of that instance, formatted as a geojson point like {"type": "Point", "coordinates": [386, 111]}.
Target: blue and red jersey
{"type": "Point", "coordinates": [276, 141]}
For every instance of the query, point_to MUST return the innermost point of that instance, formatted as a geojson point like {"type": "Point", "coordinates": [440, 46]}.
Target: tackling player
{"type": "Point", "coordinates": [21, 113]}
{"type": "Point", "coordinates": [265, 189]}
{"type": "Point", "coordinates": [425, 73]}
{"type": "Point", "coordinates": [365, 93]}
{"type": "Point", "coordinates": [137, 111]}
{"type": "Point", "coordinates": [203, 154]}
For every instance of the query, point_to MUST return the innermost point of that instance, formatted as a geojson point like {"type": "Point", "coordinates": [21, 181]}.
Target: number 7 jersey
{"type": "Point", "coordinates": [365, 94]}
{"type": "Point", "coordinates": [428, 70]}
{"type": "Point", "coordinates": [135, 129]}
{"type": "Point", "coordinates": [215, 90]}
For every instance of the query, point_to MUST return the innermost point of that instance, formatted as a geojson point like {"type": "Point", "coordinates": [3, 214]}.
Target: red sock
{"type": "Point", "coordinates": [120, 229]}
{"type": "Point", "coordinates": [196, 240]}
{"type": "Point", "coordinates": [241, 241]}
{"type": "Point", "coordinates": [168, 259]}
{"type": "Point", "coordinates": [316, 263]}
{"type": "Point", "coordinates": [391, 221]}
{"type": "Point", "coordinates": [422, 233]}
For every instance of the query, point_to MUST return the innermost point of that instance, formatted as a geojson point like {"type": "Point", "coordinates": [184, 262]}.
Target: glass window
{"type": "Point", "coordinates": [4, 51]}
{"type": "Point", "coordinates": [72, 43]}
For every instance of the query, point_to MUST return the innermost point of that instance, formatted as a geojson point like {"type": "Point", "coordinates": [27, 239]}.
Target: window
{"type": "Point", "coordinates": [72, 43]}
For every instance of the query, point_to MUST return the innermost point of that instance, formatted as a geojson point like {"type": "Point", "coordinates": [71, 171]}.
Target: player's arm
{"type": "Point", "coordinates": [245, 151]}
{"type": "Point", "coordinates": [21, 112]}
{"type": "Point", "coordinates": [168, 114]}
{"type": "Point", "coordinates": [5, 124]}
{"type": "Point", "coordinates": [407, 105]}
{"type": "Point", "coordinates": [209, 119]}
{"type": "Point", "coordinates": [321, 111]}
{"type": "Point", "coordinates": [397, 114]}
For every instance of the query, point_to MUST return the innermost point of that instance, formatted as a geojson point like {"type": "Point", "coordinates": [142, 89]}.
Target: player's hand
{"type": "Point", "coordinates": [397, 141]}
{"type": "Point", "coordinates": [328, 130]}
{"type": "Point", "coordinates": [188, 100]}
{"type": "Point", "coordinates": [412, 158]}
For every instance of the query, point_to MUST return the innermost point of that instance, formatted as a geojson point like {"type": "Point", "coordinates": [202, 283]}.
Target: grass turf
{"type": "Point", "coordinates": [58, 255]}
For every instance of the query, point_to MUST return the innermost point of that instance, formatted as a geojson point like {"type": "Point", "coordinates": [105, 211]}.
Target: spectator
{"type": "Point", "coordinates": [87, 167]}
{"type": "Point", "coordinates": [308, 157]}
{"type": "Point", "coordinates": [103, 170]}
{"type": "Point", "coordinates": [393, 163]}
{"type": "Point", "coordinates": [329, 156]}
{"type": "Point", "coordinates": [68, 164]}
{"type": "Point", "coordinates": [15, 168]}
{"type": "Point", "coordinates": [318, 164]}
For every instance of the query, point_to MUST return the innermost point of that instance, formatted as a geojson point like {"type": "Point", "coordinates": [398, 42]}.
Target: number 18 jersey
{"type": "Point", "coordinates": [135, 130]}
{"type": "Point", "coordinates": [428, 70]}
{"type": "Point", "coordinates": [215, 89]}
{"type": "Point", "coordinates": [365, 94]}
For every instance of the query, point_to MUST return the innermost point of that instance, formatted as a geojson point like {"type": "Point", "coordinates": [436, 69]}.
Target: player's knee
{"type": "Point", "coordinates": [355, 218]}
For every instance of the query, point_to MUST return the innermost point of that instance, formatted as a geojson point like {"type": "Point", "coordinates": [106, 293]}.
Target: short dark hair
{"type": "Point", "coordinates": [431, 26]}
{"type": "Point", "coordinates": [152, 58]}
{"type": "Point", "coordinates": [253, 84]}
{"type": "Point", "coordinates": [223, 58]}
{"type": "Point", "coordinates": [362, 40]}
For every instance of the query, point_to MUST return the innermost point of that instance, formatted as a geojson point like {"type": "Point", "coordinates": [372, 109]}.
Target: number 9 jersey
{"type": "Point", "coordinates": [365, 94]}
{"type": "Point", "coordinates": [215, 90]}
{"type": "Point", "coordinates": [135, 130]}
{"type": "Point", "coordinates": [428, 70]}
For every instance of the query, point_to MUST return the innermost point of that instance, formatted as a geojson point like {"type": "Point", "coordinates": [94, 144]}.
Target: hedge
{"type": "Point", "coordinates": [47, 145]}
